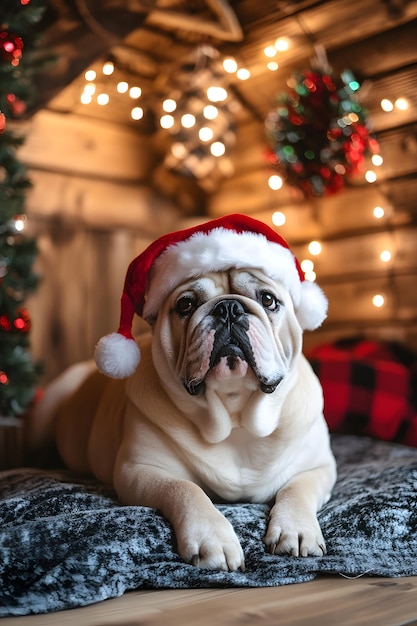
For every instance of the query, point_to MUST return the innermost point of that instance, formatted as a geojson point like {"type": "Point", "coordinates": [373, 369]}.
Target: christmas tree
{"type": "Point", "coordinates": [19, 36]}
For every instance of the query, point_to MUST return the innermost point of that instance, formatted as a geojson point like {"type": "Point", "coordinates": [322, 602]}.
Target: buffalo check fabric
{"type": "Point", "coordinates": [369, 388]}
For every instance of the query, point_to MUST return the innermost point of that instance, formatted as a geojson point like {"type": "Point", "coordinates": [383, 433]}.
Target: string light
{"type": "Point", "coordinates": [190, 153]}
{"type": "Point", "coordinates": [136, 113]}
{"type": "Point", "coordinates": [167, 121]}
{"type": "Point", "coordinates": [401, 104]}
{"type": "Point", "coordinates": [314, 247]}
{"type": "Point", "coordinates": [85, 98]}
{"type": "Point", "coordinates": [178, 150]}
{"type": "Point", "coordinates": [377, 160]}
{"type": "Point", "coordinates": [278, 218]}
{"type": "Point", "coordinates": [387, 105]}
{"type": "Point", "coordinates": [272, 66]}
{"type": "Point", "coordinates": [108, 68]}
{"type": "Point", "coordinates": [188, 120]}
{"type": "Point", "coordinates": [20, 223]}
{"type": "Point", "coordinates": [210, 112]}
{"type": "Point", "coordinates": [103, 99]}
{"type": "Point", "coordinates": [311, 276]}
{"type": "Point", "coordinates": [282, 44]}
{"type": "Point", "coordinates": [243, 73]}
{"type": "Point", "coordinates": [370, 176]}
{"type": "Point", "coordinates": [216, 94]}
{"type": "Point", "coordinates": [169, 105]}
{"type": "Point", "coordinates": [90, 89]}
{"type": "Point", "coordinates": [205, 133]}
{"type": "Point", "coordinates": [275, 182]}
{"type": "Point", "coordinates": [378, 300]}
{"type": "Point", "coordinates": [385, 256]}
{"type": "Point", "coordinates": [217, 149]}
{"type": "Point", "coordinates": [307, 267]}
{"type": "Point", "coordinates": [135, 92]}
{"type": "Point", "coordinates": [201, 119]}
{"type": "Point", "coordinates": [378, 212]}
{"type": "Point", "coordinates": [122, 86]}
{"type": "Point", "coordinates": [230, 66]}
{"type": "Point", "coordinates": [270, 52]}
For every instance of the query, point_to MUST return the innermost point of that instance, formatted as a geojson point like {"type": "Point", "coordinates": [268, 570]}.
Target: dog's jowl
{"type": "Point", "coordinates": [217, 403]}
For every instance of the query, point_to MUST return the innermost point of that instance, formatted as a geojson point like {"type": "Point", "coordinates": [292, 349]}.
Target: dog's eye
{"type": "Point", "coordinates": [185, 306]}
{"type": "Point", "coordinates": [269, 301]}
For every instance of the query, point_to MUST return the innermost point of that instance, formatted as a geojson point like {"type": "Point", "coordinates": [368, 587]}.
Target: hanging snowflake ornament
{"type": "Point", "coordinates": [319, 132]}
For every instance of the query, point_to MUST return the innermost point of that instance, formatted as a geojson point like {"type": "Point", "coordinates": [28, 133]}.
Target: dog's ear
{"type": "Point", "coordinates": [312, 309]}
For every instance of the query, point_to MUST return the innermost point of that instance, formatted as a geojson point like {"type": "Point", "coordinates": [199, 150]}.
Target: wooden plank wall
{"type": "Point", "coordinates": [92, 210]}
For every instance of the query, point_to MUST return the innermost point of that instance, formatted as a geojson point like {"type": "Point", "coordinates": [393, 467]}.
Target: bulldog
{"type": "Point", "coordinates": [216, 404]}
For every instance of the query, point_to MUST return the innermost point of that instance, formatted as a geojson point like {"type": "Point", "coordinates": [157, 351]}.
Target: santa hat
{"type": "Point", "coordinates": [233, 241]}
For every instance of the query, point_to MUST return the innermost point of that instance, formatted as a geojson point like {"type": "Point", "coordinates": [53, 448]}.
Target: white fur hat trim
{"type": "Point", "coordinates": [222, 249]}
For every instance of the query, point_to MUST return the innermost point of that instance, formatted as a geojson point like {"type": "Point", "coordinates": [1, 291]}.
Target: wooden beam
{"type": "Point", "coordinates": [77, 41]}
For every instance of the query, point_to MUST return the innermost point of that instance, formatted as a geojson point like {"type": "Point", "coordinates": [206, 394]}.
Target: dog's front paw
{"type": "Point", "coordinates": [293, 535]}
{"type": "Point", "coordinates": [208, 540]}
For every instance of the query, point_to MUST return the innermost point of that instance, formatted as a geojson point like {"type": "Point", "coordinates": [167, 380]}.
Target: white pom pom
{"type": "Point", "coordinates": [312, 310]}
{"type": "Point", "coordinates": [116, 356]}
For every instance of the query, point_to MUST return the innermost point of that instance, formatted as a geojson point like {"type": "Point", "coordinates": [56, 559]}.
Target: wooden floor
{"type": "Point", "coordinates": [332, 601]}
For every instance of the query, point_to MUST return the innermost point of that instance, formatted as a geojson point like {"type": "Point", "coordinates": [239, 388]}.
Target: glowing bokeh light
{"type": "Point", "coordinates": [314, 248]}
{"type": "Point", "coordinates": [230, 65]}
{"type": "Point", "coordinates": [378, 300]}
{"type": "Point", "coordinates": [307, 265]}
{"type": "Point", "coordinates": [169, 105]}
{"type": "Point", "coordinates": [278, 218]}
{"type": "Point", "coordinates": [217, 148]}
{"type": "Point", "coordinates": [136, 113]}
{"type": "Point", "coordinates": [275, 182]}
{"type": "Point", "coordinates": [122, 86]}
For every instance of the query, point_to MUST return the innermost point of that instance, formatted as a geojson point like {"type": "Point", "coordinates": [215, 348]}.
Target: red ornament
{"type": "Point", "coordinates": [11, 47]}
{"type": "Point", "coordinates": [17, 106]}
{"type": "Point", "coordinates": [21, 322]}
{"type": "Point", "coordinates": [5, 323]}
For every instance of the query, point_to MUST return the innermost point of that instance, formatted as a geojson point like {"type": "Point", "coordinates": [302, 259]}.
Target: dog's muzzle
{"type": "Point", "coordinates": [231, 323]}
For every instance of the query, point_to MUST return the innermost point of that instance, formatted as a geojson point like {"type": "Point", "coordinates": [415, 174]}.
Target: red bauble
{"type": "Point", "coordinates": [16, 105]}
{"type": "Point", "coordinates": [11, 47]}
{"type": "Point", "coordinates": [21, 322]}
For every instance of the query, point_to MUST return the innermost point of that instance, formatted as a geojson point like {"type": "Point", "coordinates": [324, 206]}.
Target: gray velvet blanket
{"type": "Point", "coordinates": [65, 542]}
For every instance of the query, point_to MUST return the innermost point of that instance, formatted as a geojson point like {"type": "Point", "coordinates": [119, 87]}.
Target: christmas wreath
{"type": "Point", "coordinates": [319, 132]}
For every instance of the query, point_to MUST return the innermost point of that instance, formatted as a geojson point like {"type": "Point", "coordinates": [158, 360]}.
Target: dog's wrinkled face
{"type": "Point", "coordinates": [226, 328]}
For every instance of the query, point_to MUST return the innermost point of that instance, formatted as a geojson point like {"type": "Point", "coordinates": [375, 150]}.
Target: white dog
{"type": "Point", "coordinates": [222, 406]}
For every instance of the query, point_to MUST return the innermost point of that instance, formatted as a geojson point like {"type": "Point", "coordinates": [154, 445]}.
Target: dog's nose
{"type": "Point", "coordinates": [229, 310]}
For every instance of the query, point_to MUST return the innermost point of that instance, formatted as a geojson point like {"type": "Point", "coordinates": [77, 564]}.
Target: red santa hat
{"type": "Point", "coordinates": [233, 241]}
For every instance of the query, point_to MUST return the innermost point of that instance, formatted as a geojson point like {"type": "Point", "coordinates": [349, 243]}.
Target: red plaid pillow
{"type": "Point", "coordinates": [368, 389]}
